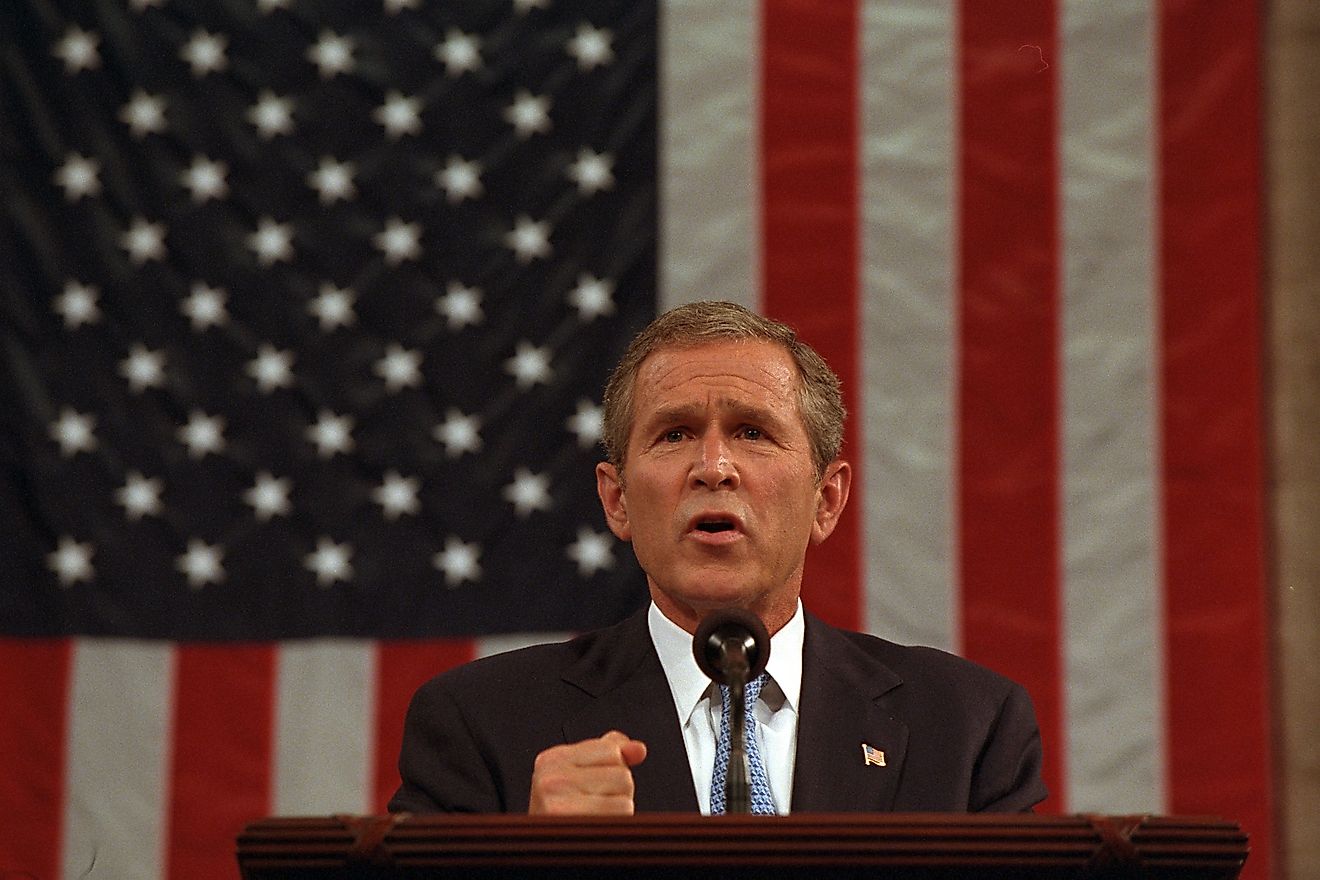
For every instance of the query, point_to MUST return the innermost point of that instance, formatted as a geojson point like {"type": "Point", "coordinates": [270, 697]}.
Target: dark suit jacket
{"type": "Point", "coordinates": [956, 737]}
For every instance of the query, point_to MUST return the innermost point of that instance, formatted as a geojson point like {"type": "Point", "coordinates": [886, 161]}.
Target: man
{"type": "Point", "coordinates": [722, 432]}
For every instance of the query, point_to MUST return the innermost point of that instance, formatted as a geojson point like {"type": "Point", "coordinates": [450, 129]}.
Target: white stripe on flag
{"type": "Point", "coordinates": [908, 172]}
{"type": "Point", "coordinates": [709, 235]}
{"type": "Point", "coordinates": [324, 727]}
{"type": "Point", "coordinates": [118, 754]}
{"type": "Point", "coordinates": [488, 645]}
{"type": "Point", "coordinates": [1112, 613]}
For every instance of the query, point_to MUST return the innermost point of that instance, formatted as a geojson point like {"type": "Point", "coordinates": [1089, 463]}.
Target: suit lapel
{"type": "Point", "coordinates": [631, 694]}
{"type": "Point", "coordinates": [838, 714]}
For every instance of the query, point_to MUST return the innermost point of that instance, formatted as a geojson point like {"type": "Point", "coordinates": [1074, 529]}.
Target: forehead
{"type": "Point", "coordinates": [749, 371]}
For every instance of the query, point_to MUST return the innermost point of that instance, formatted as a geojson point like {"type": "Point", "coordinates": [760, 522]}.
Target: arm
{"type": "Point", "coordinates": [445, 768]}
{"type": "Point", "coordinates": [1006, 778]}
{"type": "Point", "coordinates": [441, 765]}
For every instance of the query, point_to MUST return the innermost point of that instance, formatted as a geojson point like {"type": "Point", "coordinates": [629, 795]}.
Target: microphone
{"type": "Point", "coordinates": [732, 646]}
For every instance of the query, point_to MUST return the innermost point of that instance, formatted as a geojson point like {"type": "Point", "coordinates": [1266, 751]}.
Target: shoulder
{"type": "Point", "coordinates": [916, 672]}
{"type": "Point", "coordinates": [531, 668]}
{"type": "Point", "coordinates": [924, 663]}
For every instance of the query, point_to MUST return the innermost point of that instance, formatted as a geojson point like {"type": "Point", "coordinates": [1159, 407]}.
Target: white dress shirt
{"type": "Point", "coordinates": [699, 705]}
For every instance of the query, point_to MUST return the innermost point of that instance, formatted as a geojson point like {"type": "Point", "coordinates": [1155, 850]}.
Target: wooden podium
{"type": "Point", "coordinates": [671, 846]}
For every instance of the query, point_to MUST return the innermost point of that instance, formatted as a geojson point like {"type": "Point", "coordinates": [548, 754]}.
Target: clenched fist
{"type": "Point", "coordinates": [591, 776]}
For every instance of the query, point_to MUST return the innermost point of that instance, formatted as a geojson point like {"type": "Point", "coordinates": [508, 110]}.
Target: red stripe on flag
{"type": "Point", "coordinates": [1008, 386]}
{"type": "Point", "coordinates": [222, 753]}
{"type": "Point", "coordinates": [809, 162]}
{"type": "Point", "coordinates": [401, 668]}
{"type": "Point", "coordinates": [1216, 598]}
{"type": "Point", "coordinates": [34, 694]}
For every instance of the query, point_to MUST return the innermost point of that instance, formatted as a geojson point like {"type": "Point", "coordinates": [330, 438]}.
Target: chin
{"type": "Point", "coordinates": [717, 592]}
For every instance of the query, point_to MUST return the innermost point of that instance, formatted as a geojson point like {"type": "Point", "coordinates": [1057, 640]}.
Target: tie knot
{"type": "Point", "coordinates": [751, 691]}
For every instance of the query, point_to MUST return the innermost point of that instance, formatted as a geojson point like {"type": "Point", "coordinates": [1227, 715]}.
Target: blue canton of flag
{"type": "Point", "coordinates": [306, 309]}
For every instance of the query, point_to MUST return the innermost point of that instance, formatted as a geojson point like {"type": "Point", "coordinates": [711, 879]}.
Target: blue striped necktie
{"type": "Point", "coordinates": [758, 784]}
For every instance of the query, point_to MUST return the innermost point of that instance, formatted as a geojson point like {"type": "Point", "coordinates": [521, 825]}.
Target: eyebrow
{"type": "Point", "coordinates": [743, 412]}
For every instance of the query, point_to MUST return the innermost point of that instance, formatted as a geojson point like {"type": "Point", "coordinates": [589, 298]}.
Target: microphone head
{"type": "Point", "coordinates": [726, 634]}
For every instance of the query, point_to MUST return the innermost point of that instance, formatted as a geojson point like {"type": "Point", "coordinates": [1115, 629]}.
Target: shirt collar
{"type": "Point", "coordinates": [688, 684]}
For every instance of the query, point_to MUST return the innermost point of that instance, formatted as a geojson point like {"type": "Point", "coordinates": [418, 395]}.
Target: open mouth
{"type": "Point", "coordinates": [717, 524]}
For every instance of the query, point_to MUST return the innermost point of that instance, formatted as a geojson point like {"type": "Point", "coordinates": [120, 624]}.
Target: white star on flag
{"type": "Point", "coordinates": [587, 423]}
{"type": "Point", "coordinates": [144, 241]}
{"type": "Point", "coordinates": [71, 561]}
{"type": "Point", "coordinates": [333, 307]}
{"type": "Point", "coordinates": [528, 492]}
{"type": "Point", "coordinates": [528, 114]}
{"type": "Point", "coordinates": [205, 53]}
{"type": "Point", "coordinates": [74, 432]}
{"type": "Point", "coordinates": [330, 562]}
{"type": "Point", "coordinates": [461, 306]}
{"type": "Point", "coordinates": [77, 49]}
{"type": "Point", "coordinates": [272, 242]}
{"type": "Point", "coordinates": [460, 53]}
{"type": "Point", "coordinates": [333, 180]}
{"type": "Point", "coordinates": [271, 368]}
{"type": "Point", "coordinates": [592, 172]}
{"type": "Point", "coordinates": [140, 496]}
{"type": "Point", "coordinates": [269, 496]}
{"type": "Point", "coordinates": [592, 551]}
{"type": "Point", "coordinates": [271, 115]}
{"type": "Point", "coordinates": [460, 179]}
{"type": "Point", "coordinates": [201, 564]}
{"type": "Point", "coordinates": [203, 434]}
{"type": "Point", "coordinates": [77, 304]}
{"type": "Point", "coordinates": [399, 115]}
{"type": "Point", "coordinates": [143, 368]}
{"type": "Point", "coordinates": [331, 434]}
{"type": "Point", "coordinates": [205, 307]}
{"type": "Point", "coordinates": [332, 54]}
{"type": "Point", "coordinates": [205, 179]}
{"type": "Point", "coordinates": [144, 114]}
{"type": "Point", "coordinates": [78, 177]}
{"type": "Point", "coordinates": [400, 368]}
{"type": "Point", "coordinates": [529, 365]}
{"type": "Point", "coordinates": [593, 297]}
{"type": "Point", "coordinates": [591, 47]}
{"type": "Point", "coordinates": [458, 561]}
{"type": "Point", "coordinates": [399, 241]}
{"type": "Point", "coordinates": [529, 239]}
{"type": "Point", "coordinates": [459, 433]}
{"type": "Point", "coordinates": [397, 495]}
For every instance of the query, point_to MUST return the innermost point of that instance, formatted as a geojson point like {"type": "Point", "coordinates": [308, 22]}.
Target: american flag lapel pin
{"type": "Point", "coordinates": [872, 755]}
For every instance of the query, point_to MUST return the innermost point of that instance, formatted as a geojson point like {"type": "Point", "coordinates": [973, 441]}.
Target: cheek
{"type": "Point", "coordinates": [797, 500]}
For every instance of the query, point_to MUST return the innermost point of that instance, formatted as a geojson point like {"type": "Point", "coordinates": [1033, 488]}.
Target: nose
{"type": "Point", "coordinates": [715, 467]}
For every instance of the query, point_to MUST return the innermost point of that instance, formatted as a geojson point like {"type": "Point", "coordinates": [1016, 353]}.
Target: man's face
{"type": "Point", "coordinates": [720, 496]}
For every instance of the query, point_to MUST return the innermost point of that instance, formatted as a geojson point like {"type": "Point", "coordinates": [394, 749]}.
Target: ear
{"type": "Point", "coordinates": [832, 499]}
{"type": "Point", "coordinates": [609, 486]}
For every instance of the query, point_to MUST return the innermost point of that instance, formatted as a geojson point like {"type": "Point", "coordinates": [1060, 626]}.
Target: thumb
{"type": "Point", "coordinates": [633, 751]}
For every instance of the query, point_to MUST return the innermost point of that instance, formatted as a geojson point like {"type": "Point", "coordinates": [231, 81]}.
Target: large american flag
{"type": "Point", "coordinates": [307, 307]}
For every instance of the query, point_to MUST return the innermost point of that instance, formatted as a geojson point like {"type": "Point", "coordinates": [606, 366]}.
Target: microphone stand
{"type": "Point", "coordinates": [737, 796]}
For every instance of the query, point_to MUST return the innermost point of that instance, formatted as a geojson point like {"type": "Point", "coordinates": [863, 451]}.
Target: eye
{"type": "Point", "coordinates": [673, 435]}
{"type": "Point", "coordinates": [750, 433]}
